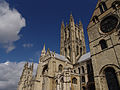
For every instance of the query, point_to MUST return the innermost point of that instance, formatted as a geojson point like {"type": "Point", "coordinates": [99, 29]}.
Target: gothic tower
{"type": "Point", "coordinates": [104, 40]}
{"type": "Point", "coordinates": [72, 43]}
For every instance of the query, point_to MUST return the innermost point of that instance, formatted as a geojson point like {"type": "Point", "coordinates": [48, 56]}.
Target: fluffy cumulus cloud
{"type": "Point", "coordinates": [27, 45]}
{"type": "Point", "coordinates": [10, 73]}
{"type": "Point", "coordinates": [11, 23]}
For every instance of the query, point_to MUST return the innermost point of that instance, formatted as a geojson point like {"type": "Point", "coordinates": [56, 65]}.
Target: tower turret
{"type": "Point", "coordinates": [72, 39]}
{"type": "Point", "coordinates": [62, 39]}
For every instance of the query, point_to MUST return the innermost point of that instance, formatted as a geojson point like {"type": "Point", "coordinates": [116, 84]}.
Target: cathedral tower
{"type": "Point", "coordinates": [104, 40]}
{"type": "Point", "coordinates": [72, 43]}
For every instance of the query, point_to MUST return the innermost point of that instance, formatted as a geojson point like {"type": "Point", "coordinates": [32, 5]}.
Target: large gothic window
{"type": "Point", "coordinates": [60, 68]}
{"type": "Point", "coordinates": [74, 80]}
{"type": "Point", "coordinates": [103, 44]}
{"type": "Point", "coordinates": [111, 78]}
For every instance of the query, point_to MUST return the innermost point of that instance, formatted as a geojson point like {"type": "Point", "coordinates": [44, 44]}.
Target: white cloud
{"type": "Point", "coordinates": [11, 23]}
{"type": "Point", "coordinates": [10, 73]}
{"type": "Point", "coordinates": [27, 45]}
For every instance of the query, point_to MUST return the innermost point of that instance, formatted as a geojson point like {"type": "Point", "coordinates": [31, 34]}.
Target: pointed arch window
{"type": "Point", "coordinates": [74, 80]}
{"type": "Point", "coordinates": [77, 50]}
{"type": "Point", "coordinates": [102, 7]}
{"type": "Point", "coordinates": [79, 70]}
{"type": "Point", "coordinates": [103, 44]}
{"type": "Point", "coordinates": [83, 79]}
{"type": "Point", "coordinates": [65, 52]}
{"type": "Point", "coordinates": [68, 33]}
{"type": "Point", "coordinates": [60, 68]}
{"type": "Point", "coordinates": [80, 51]}
{"type": "Point", "coordinates": [83, 88]}
{"type": "Point", "coordinates": [95, 19]}
{"type": "Point", "coordinates": [69, 51]}
{"type": "Point", "coordinates": [111, 78]}
{"type": "Point", "coordinates": [83, 71]}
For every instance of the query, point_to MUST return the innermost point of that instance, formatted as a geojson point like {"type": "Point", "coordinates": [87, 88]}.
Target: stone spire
{"type": "Point", "coordinates": [71, 22]}
{"type": "Point", "coordinates": [71, 18]}
{"type": "Point", "coordinates": [62, 25]}
{"type": "Point", "coordinates": [62, 39]}
{"type": "Point", "coordinates": [43, 51]}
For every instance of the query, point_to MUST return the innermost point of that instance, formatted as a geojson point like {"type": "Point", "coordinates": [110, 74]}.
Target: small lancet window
{"type": "Point", "coordinates": [81, 51]}
{"type": "Point", "coordinates": [103, 44]}
{"type": "Point", "coordinates": [77, 49]}
{"type": "Point", "coordinates": [102, 7]}
{"type": "Point", "coordinates": [60, 68]}
{"type": "Point", "coordinates": [69, 51]}
{"type": "Point", "coordinates": [65, 52]}
{"type": "Point", "coordinates": [74, 80]}
{"type": "Point", "coordinates": [83, 71]}
{"type": "Point", "coordinates": [95, 19]}
{"type": "Point", "coordinates": [79, 70]}
{"type": "Point", "coordinates": [83, 79]}
{"type": "Point", "coordinates": [68, 33]}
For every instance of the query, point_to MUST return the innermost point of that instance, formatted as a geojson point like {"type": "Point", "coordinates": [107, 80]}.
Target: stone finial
{"type": "Point", "coordinates": [62, 25]}
{"type": "Point", "coordinates": [71, 18]}
{"type": "Point", "coordinates": [43, 51]}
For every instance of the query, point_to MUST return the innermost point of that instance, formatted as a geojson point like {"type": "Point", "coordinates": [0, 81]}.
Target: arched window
{"type": "Point", "coordinates": [83, 79]}
{"type": "Point", "coordinates": [77, 50]}
{"type": "Point", "coordinates": [81, 51]}
{"type": "Point", "coordinates": [102, 7]}
{"type": "Point", "coordinates": [45, 69]}
{"type": "Point", "coordinates": [83, 71]}
{"type": "Point", "coordinates": [60, 68]}
{"type": "Point", "coordinates": [62, 80]}
{"type": "Point", "coordinates": [83, 88]}
{"type": "Point", "coordinates": [88, 68]}
{"type": "Point", "coordinates": [111, 78]}
{"type": "Point", "coordinates": [56, 82]}
{"type": "Point", "coordinates": [69, 51]}
{"type": "Point", "coordinates": [103, 44]}
{"type": "Point", "coordinates": [74, 71]}
{"type": "Point", "coordinates": [68, 33]}
{"type": "Point", "coordinates": [74, 80]}
{"type": "Point", "coordinates": [95, 19]}
{"type": "Point", "coordinates": [116, 5]}
{"type": "Point", "coordinates": [79, 70]}
{"type": "Point", "coordinates": [65, 52]}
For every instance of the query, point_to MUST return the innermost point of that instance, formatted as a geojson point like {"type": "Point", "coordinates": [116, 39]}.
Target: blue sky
{"type": "Point", "coordinates": [40, 23]}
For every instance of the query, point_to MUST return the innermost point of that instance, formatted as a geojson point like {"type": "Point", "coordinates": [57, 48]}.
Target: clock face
{"type": "Point", "coordinates": [108, 24]}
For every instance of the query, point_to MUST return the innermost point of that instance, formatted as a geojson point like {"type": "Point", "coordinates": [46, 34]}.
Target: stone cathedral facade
{"type": "Point", "coordinates": [73, 68]}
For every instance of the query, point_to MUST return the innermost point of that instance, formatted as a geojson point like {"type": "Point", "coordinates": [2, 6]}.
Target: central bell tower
{"type": "Point", "coordinates": [72, 44]}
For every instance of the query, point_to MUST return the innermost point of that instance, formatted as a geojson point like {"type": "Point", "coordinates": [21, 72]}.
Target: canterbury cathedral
{"type": "Point", "coordinates": [74, 68]}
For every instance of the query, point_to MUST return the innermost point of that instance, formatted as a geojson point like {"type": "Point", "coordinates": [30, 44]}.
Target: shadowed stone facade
{"type": "Point", "coordinates": [73, 68]}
